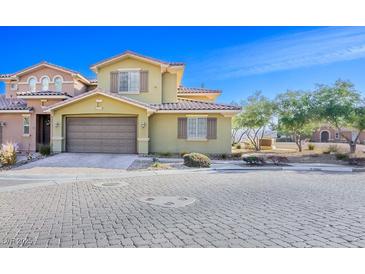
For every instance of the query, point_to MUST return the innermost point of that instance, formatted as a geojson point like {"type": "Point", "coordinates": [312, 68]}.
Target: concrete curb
{"type": "Point", "coordinates": [309, 169]}
{"type": "Point", "coordinates": [37, 181]}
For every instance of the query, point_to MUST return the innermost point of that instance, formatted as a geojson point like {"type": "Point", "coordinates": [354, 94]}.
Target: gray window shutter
{"type": "Point", "coordinates": [114, 81]}
{"type": "Point", "coordinates": [182, 129]}
{"type": "Point", "coordinates": [144, 80]}
{"type": "Point", "coordinates": [212, 128]}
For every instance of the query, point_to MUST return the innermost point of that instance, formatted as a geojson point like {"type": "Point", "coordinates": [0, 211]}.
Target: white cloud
{"type": "Point", "coordinates": [303, 49]}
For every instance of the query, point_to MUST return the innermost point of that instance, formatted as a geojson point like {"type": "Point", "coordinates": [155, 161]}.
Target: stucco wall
{"type": "Point", "coordinates": [154, 94]}
{"type": "Point", "coordinates": [169, 88]}
{"type": "Point", "coordinates": [163, 136]}
{"type": "Point", "coordinates": [87, 108]}
{"type": "Point", "coordinates": [67, 86]}
{"type": "Point", "coordinates": [13, 130]}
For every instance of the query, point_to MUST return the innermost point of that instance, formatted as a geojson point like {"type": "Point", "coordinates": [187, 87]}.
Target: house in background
{"type": "Point", "coordinates": [28, 93]}
{"type": "Point", "coordinates": [136, 105]}
{"type": "Point", "coordinates": [328, 134]}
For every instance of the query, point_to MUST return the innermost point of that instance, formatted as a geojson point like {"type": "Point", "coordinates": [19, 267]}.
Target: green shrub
{"type": "Point", "coordinates": [223, 156]}
{"type": "Point", "coordinates": [45, 150]}
{"type": "Point", "coordinates": [165, 154]}
{"type": "Point", "coordinates": [254, 160]}
{"type": "Point", "coordinates": [342, 156]}
{"type": "Point", "coordinates": [196, 160]}
{"type": "Point", "coordinates": [238, 146]}
{"type": "Point", "coordinates": [8, 154]}
{"type": "Point", "coordinates": [311, 146]}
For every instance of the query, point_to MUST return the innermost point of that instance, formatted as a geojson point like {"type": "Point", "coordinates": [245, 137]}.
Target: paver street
{"type": "Point", "coordinates": [252, 209]}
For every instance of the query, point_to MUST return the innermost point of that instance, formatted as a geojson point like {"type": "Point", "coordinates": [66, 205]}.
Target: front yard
{"type": "Point", "coordinates": [320, 154]}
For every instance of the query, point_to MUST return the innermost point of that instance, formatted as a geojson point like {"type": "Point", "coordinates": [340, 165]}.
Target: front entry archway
{"type": "Point", "coordinates": [325, 136]}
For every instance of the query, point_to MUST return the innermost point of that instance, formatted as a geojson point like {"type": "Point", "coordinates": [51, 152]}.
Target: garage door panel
{"type": "Point", "coordinates": [106, 135]}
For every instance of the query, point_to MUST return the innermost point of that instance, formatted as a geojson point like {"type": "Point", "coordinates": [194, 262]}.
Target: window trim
{"type": "Point", "coordinates": [24, 116]}
{"type": "Point", "coordinates": [35, 83]}
{"type": "Point", "coordinates": [54, 82]}
{"type": "Point", "coordinates": [41, 82]}
{"type": "Point", "coordinates": [189, 117]}
{"type": "Point", "coordinates": [139, 82]}
{"type": "Point", "coordinates": [15, 84]}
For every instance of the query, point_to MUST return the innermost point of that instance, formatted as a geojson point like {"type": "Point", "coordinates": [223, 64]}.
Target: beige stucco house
{"type": "Point", "coordinates": [136, 105]}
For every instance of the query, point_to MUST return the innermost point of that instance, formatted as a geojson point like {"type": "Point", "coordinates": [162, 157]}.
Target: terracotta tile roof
{"type": "Point", "coordinates": [97, 91]}
{"type": "Point", "coordinates": [12, 104]}
{"type": "Point", "coordinates": [2, 76]}
{"type": "Point", "coordinates": [197, 90]}
{"type": "Point", "coordinates": [42, 93]}
{"type": "Point", "coordinates": [138, 55]}
{"type": "Point", "coordinates": [194, 105]}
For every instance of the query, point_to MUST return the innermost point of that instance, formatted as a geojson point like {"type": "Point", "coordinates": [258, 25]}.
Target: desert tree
{"type": "Point", "coordinates": [294, 110]}
{"type": "Point", "coordinates": [255, 118]}
{"type": "Point", "coordinates": [341, 106]}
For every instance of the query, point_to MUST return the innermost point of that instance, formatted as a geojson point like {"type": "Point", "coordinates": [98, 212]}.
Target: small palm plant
{"type": "Point", "coordinates": [8, 154]}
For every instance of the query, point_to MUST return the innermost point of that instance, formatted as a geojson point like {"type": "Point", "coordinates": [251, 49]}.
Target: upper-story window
{"type": "Point", "coordinates": [13, 86]}
{"type": "Point", "coordinates": [45, 83]}
{"type": "Point", "coordinates": [32, 82]}
{"type": "Point", "coordinates": [129, 81]}
{"type": "Point", "coordinates": [58, 83]}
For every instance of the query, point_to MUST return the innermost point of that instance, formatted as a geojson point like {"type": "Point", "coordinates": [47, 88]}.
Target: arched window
{"type": "Point", "coordinates": [58, 83]}
{"type": "Point", "coordinates": [45, 83]}
{"type": "Point", "coordinates": [32, 81]}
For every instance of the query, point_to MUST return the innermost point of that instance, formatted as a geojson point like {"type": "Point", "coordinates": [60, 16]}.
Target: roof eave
{"type": "Point", "coordinates": [43, 97]}
{"type": "Point", "coordinates": [15, 110]}
{"type": "Point", "coordinates": [235, 111]}
{"type": "Point", "coordinates": [62, 104]}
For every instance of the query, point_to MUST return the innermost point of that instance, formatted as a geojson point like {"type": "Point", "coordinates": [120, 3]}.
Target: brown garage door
{"type": "Point", "coordinates": [102, 134]}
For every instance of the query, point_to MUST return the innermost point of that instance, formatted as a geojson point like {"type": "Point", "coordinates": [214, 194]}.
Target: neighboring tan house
{"type": "Point", "coordinates": [136, 105]}
{"type": "Point", "coordinates": [328, 134]}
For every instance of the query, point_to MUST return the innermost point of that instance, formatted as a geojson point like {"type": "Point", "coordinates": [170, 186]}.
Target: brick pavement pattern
{"type": "Point", "coordinates": [253, 209]}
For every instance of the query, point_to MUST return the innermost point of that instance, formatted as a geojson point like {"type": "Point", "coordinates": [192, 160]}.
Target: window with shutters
{"type": "Point", "coordinates": [197, 128]}
{"type": "Point", "coordinates": [129, 81]}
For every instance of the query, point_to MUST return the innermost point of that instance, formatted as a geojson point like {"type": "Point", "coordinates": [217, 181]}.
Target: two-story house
{"type": "Point", "coordinates": [136, 105]}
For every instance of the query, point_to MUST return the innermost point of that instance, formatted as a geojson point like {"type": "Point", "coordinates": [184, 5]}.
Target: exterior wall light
{"type": "Point", "coordinates": [143, 124]}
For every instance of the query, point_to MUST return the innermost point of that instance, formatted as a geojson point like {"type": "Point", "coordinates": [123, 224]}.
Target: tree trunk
{"type": "Point", "coordinates": [298, 142]}
{"type": "Point", "coordinates": [352, 147]}
{"type": "Point", "coordinates": [300, 146]}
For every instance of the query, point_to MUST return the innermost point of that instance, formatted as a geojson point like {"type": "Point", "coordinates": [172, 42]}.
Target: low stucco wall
{"type": "Point", "coordinates": [163, 136]}
{"type": "Point", "coordinates": [12, 131]}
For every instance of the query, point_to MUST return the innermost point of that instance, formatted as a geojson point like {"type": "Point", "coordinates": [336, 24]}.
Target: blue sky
{"type": "Point", "coordinates": [238, 60]}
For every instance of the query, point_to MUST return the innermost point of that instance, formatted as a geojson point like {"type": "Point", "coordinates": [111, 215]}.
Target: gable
{"type": "Point", "coordinates": [41, 71]}
{"type": "Point", "coordinates": [154, 94]}
{"type": "Point", "coordinates": [97, 104]}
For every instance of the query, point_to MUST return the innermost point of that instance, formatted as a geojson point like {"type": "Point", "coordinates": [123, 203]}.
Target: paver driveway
{"type": "Point", "coordinates": [254, 209]}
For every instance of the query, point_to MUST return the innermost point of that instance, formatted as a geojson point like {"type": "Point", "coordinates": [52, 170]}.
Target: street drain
{"type": "Point", "coordinates": [110, 183]}
{"type": "Point", "coordinates": [168, 201]}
